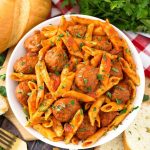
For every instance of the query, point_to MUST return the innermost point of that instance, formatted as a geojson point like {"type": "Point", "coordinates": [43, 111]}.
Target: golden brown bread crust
{"type": "Point", "coordinates": [126, 147]}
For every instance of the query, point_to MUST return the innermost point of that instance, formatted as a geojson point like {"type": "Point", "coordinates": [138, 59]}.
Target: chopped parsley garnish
{"type": "Point", "coordinates": [81, 111]}
{"type": "Point", "coordinates": [67, 33]}
{"type": "Point", "coordinates": [60, 36]}
{"type": "Point", "coordinates": [85, 81]}
{"type": "Point", "coordinates": [130, 132]}
{"type": "Point", "coordinates": [118, 101]}
{"type": "Point", "coordinates": [72, 102]}
{"type": "Point", "coordinates": [109, 94]}
{"type": "Point", "coordinates": [26, 111]}
{"type": "Point", "coordinates": [78, 35]}
{"type": "Point", "coordinates": [134, 108]}
{"type": "Point", "coordinates": [22, 63]}
{"type": "Point", "coordinates": [3, 91]}
{"type": "Point", "coordinates": [89, 89]}
{"type": "Point", "coordinates": [123, 111]}
{"type": "Point", "coordinates": [82, 129]}
{"type": "Point", "coordinates": [99, 77]}
{"type": "Point", "coordinates": [57, 73]}
{"type": "Point", "coordinates": [104, 56]}
{"type": "Point", "coordinates": [41, 87]}
{"type": "Point", "coordinates": [148, 129]}
{"type": "Point", "coordinates": [139, 138]}
{"type": "Point", "coordinates": [63, 86]}
{"type": "Point", "coordinates": [81, 45]}
{"type": "Point", "coordinates": [114, 69]}
{"type": "Point", "coordinates": [3, 77]}
{"type": "Point", "coordinates": [30, 69]}
{"type": "Point", "coordinates": [42, 107]}
{"type": "Point", "coordinates": [94, 109]}
{"type": "Point", "coordinates": [145, 98]}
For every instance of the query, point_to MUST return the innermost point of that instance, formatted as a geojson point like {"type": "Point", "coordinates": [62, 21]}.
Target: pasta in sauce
{"type": "Point", "coordinates": [77, 80]}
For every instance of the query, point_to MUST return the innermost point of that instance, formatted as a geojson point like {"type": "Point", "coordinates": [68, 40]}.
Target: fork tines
{"type": "Point", "coordinates": [6, 139]}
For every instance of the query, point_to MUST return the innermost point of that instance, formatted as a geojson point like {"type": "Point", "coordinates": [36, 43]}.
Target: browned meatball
{"type": "Point", "coordinates": [107, 117]}
{"type": "Point", "coordinates": [22, 91]}
{"type": "Point", "coordinates": [103, 43]}
{"type": "Point", "coordinates": [77, 30]}
{"type": "Point", "coordinates": [56, 59]}
{"type": "Point", "coordinates": [121, 92]}
{"type": "Point", "coordinates": [86, 78]}
{"type": "Point", "coordinates": [65, 108]}
{"type": "Point", "coordinates": [116, 70]}
{"type": "Point", "coordinates": [86, 129]}
{"type": "Point", "coordinates": [33, 43]}
{"type": "Point", "coordinates": [26, 64]}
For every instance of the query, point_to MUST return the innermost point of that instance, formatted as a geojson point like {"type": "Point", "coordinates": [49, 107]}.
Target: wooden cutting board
{"type": "Point", "coordinates": [10, 116]}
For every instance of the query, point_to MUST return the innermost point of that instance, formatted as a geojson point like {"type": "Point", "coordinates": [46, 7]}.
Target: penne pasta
{"type": "Point", "coordinates": [98, 31]}
{"type": "Point", "coordinates": [92, 139]}
{"type": "Point", "coordinates": [66, 83]}
{"type": "Point", "coordinates": [133, 89]}
{"type": "Point", "coordinates": [88, 35]}
{"type": "Point", "coordinates": [48, 124]}
{"type": "Point", "coordinates": [98, 121]}
{"type": "Point", "coordinates": [75, 123]}
{"type": "Point", "coordinates": [112, 106]}
{"type": "Point", "coordinates": [41, 109]}
{"type": "Point", "coordinates": [48, 113]}
{"type": "Point", "coordinates": [105, 68]}
{"type": "Point", "coordinates": [45, 76]}
{"type": "Point", "coordinates": [40, 85]}
{"type": "Point", "coordinates": [112, 82]}
{"type": "Point", "coordinates": [57, 127]}
{"type": "Point", "coordinates": [95, 108]}
{"type": "Point", "coordinates": [86, 21]}
{"type": "Point", "coordinates": [80, 96]}
{"type": "Point", "coordinates": [43, 51]}
{"type": "Point", "coordinates": [75, 140]}
{"type": "Point", "coordinates": [22, 77]}
{"type": "Point", "coordinates": [48, 133]}
{"type": "Point", "coordinates": [129, 72]}
{"type": "Point", "coordinates": [32, 102]}
{"type": "Point", "coordinates": [72, 46]}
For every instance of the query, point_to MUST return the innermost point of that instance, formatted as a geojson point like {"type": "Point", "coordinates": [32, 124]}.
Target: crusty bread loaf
{"type": "Point", "coordinates": [137, 136]}
{"type": "Point", "coordinates": [115, 144]}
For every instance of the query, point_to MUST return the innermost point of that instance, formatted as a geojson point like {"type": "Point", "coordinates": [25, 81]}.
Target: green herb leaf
{"type": "Point", "coordinates": [114, 69]}
{"type": "Point", "coordinates": [85, 81]}
{"type": "Point", "coordinates": [123, 111]}
{"type": "Point", "coordinates": [99, 77]}
{"type": "Point", "coordinates": [57, 73]}
{"type": "Point", "coordinates": [94, 109]}
{"type": "Point", "coordinates": [134, 108]}
{"type": "Point", "coordinates": [2, 58]}
{"type": "Point", "coordinates": [78, 35]}
{"type": "Point", "coordinates": [72, 102]}
{"type": "Point", "coordinates": [109, 94]}
{"type": "Point", "coordinates": [145, 98]}
{"type": "Point", "coordinates": [41, 87]}
{"type": "Point", "coordinates": [3, 77]}
{"type": "Point", "coordinates": [89, 89]}
{"type": "Point", "coordinates": [3, 91]}
{"type": "Point", "coordinates": [118, 101]}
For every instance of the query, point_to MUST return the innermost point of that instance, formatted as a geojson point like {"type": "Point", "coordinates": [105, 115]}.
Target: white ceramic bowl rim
{"type": "Point", "coordinates": [17, 109]}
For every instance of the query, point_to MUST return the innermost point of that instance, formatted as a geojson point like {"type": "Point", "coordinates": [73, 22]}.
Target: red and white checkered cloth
{"type": "Point", "coordinates": [141, 43]}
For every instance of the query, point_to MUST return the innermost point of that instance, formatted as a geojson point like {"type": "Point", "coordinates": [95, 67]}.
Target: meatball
{"type": "Point", "coordinates": [121, 92]}
{"type": "Point", "coordinates": [56, 59]}
{"type": "Point", "coordinates": [65, 108]}
{"type": "Point", "coordinates": [77, 30]}
{"type": "Point", "coordinates": [86, 78]}
{"type": "Point", "coordinates": [103, 43]}
{"type": "Point", "coordinates": [107, 117]}
{"type": "Point", "coordinates": [26, 64]}
{"type": "Point", "coordinates": [86, 129]}
{"type": "Point", "coordinates": [116, 70]}
{"type": "Point", "coordinates": [22, 91]}
{"type": "Point", "coordinates": [33, 43]}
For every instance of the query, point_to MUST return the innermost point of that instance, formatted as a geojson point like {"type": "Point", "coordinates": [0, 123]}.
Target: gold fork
{"type": "Point", "coordinates": [9, 141]}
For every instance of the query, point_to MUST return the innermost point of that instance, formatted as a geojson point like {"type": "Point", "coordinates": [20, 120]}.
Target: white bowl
{"type": "Point", "coordinates": [17, 108]}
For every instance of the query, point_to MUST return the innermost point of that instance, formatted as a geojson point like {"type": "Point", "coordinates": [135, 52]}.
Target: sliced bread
{"type": "Point", "coordinates": [115, 144]}
{"type": "Point", "coordinates": [137, 136]}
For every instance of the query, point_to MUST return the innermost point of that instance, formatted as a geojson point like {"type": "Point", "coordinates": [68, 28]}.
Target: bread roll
{"type": "Point", "coordinates": [19, 16]}
{"type": "Point", "coordinates": [137, 136]}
